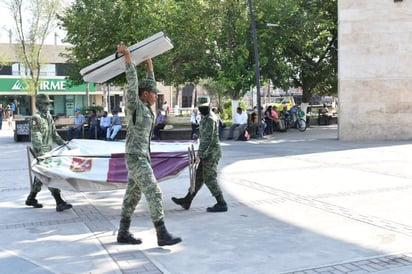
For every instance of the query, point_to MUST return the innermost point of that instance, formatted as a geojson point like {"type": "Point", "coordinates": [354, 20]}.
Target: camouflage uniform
{"type": "Point", "coordinates": [209, 153]}
{"type": "Point", "coordinates": [140, 122]}
{"type": "Point", "coordinates": [43, 133]}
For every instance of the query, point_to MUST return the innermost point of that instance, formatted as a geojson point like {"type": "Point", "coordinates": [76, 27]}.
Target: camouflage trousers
{"type": "Point", "coordinates": [141, 180]}
{"type": "Point", "coordinates": [37, 184]}
{"type": "Point", "coordinates": [206, 173]}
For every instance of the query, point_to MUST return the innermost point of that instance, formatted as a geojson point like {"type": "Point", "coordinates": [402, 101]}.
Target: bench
{"type": "Point", "coordinates": [176, 134]}
{"type": "Point", "coordinates": [185, 133]}
{"type": "Point", "coordinates": [64, 133]}
{"type": "Point", "coordinates": [327, 118]}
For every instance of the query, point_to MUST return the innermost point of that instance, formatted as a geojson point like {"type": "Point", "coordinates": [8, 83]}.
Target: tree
{"type": "Point", "coordinates": [213, 40]}
{"type": "Point", "coordinates": [231, 46]}
{"type": "Point", "coordinates": [187, 23]}
{"type": "Point", "coordinates": [31, 34]}
{"type": "Point", "coordinates": [304, 48]}
{"type": "Point", "coordinates": [4, 60]}
{"type": "Point", "coordinates": [88, 22]}
{"type": "Point", "coordinates": [215, 89]}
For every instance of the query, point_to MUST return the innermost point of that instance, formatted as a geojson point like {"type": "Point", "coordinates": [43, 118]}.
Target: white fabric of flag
{"type": "Point", "coordinates": [93, 165]}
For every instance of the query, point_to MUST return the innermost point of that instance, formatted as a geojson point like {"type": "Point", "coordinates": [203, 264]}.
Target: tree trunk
{"type": "Point", "coordinates": [177, 96]}
{"type": "Point", "coordinates": [33, 104]}
{"type": "Point", "coordinates": [235, 104]}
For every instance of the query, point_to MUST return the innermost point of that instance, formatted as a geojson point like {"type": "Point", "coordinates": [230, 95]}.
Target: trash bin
{"type": "Point", "coordinates": [22, 131]}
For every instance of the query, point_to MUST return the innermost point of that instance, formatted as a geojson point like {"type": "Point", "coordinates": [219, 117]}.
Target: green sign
{"type": "Point", "coordinates": [46, 85]}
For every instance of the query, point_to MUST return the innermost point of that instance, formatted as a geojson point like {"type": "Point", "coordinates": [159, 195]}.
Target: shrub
{"type": "Point", "coordinates": [226, 115]}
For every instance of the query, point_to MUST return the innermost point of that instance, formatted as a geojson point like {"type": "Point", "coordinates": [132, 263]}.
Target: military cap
{"type": "Point", "coordinates": [42, 98]}
{"type": "Point", "coordinates": [149, 85]}
{"type": "Point", "coordinates": [203, 101]}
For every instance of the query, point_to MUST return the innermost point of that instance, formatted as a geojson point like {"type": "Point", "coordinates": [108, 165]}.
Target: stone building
{"type": "Point", "coordinates": [375, 71]}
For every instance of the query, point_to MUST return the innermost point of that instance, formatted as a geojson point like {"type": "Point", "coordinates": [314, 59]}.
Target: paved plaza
{"type": "Point", "coordinates": [298, 203]}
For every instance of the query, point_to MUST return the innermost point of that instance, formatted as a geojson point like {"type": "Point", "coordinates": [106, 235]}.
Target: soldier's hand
{"type": "Point", "coordinates": [149, 64]}
{"type": "Point", "coordinates": [122, 49]}
{"type": "Point", "coordinates": [198, 159]}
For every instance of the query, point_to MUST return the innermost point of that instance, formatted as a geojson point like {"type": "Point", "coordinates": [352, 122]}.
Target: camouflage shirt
{"type": "Point", "coordinates": [43, 133]}
{"type": "Point", "coordinates": [139, 116]}
{"type": "Point", "coordinates": [209, 146]}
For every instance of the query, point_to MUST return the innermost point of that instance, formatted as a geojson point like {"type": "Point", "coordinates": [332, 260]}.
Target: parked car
{"type": "Point", "coordinates": [282, 101]}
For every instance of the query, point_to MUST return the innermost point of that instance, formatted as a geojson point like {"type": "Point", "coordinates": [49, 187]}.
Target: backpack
{"type": "Point", "coordinates": [244, 136]}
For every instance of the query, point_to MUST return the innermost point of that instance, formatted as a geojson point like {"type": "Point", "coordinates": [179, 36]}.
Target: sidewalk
{"type": "Point", "coordinates": [298, 203]}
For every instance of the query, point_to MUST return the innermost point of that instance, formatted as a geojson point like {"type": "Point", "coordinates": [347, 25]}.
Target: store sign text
{"type": "Point", "coordinates": [16, 84]}
{"type": "Point", "coordinates": [46, 85]}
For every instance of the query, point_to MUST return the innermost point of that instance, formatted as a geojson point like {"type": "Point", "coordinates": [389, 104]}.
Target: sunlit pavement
{"type": "Point", "coordinates": [298, 203]}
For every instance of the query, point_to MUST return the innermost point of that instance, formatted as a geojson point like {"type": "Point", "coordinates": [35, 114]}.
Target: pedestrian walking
{"type": "Point", "coordinates": [43, 133]}
{"type": "Point", "coordinates": [140, 120]}
{"type": "Point", "coordinates": [208, 156]}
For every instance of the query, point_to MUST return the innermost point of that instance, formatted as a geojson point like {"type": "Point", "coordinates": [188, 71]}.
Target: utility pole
{"type": "Point", "coordinates": [257, 73]}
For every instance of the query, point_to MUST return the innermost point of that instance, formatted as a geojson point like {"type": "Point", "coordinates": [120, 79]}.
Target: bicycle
{"type": "Point", "coordinates": [299, 124]}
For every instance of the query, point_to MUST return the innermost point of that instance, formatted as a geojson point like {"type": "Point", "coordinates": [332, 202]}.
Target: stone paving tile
{"type": "Point", "coordinates": [363, 266]}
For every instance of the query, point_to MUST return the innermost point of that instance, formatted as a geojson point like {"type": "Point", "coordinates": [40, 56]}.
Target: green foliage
{"type": "Point", "coordinates": [227, 104]}
{"type": "Point", "coordinates": [215, 90]}
{"type": "Point", "coordinates": [305, 45]}
{"type": "Point", "coordinates": [4, 60]}
{"type": "Point", "coordinates": [226, 114]}
{"type": "Point", "coordinates": [96, 27]}
{"type": "Point", "coordinates": [231, 46]}
{"type": "Point", "coordinates": [227, 111]}
{"type": "Point", "coordinates": [213, 40]}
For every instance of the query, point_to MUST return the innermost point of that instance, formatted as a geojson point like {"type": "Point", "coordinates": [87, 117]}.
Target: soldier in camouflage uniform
{"type": "Point", "coordinates": [43, 133]}
{"type": "Point", "coordinates": [140, 122]}
{"type": "Point", "coordinates": [208, 156]}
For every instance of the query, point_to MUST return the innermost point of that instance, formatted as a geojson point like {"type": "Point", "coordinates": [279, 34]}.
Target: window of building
{"type": "Point", "coordinates": [5, 70]}
{"type": "Point", "coordinates": [17, 70]}
{"type": "Point", "coordinates": [63, 69]}
{"type": "Point", "coordinates": [45, 70]}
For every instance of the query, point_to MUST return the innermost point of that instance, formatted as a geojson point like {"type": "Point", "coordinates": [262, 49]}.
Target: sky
{"type": "Point", "coordinates": [7, 23]}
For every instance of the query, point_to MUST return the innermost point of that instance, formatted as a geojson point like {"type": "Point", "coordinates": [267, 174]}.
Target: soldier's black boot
{"type": "Point", "coordinates": [184, 202]}
{"type": "Point", "coordinates": [220, 206]}
{"type": "Point", "coordinates": [61, 205]}
{"type": "Point", "coordinates": [31, 200]}
{"type": "Point", "coordinates": [124, 236]}
{"type": "Point", "coordinates": [164, 237]}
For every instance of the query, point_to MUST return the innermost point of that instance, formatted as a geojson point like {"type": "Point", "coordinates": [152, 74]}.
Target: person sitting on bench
{"type": "Point", "coordinates": [105, 122]}
{"type": "Point", "coordinates": [160, 124]}
{"type": "Point", "coordinates": [115, 126]}
{"type": "Point", "coordinates": [240, 121]}
{"type": "Point", "coordinates": [78, 122]}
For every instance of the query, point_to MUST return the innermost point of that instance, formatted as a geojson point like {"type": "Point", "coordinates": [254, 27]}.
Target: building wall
{"type": "Point", "coordinates": [375, 71]}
